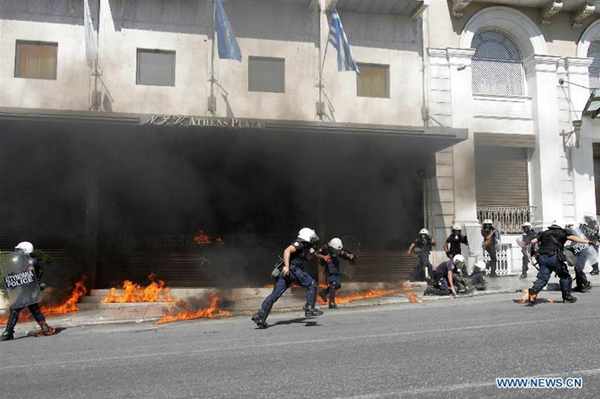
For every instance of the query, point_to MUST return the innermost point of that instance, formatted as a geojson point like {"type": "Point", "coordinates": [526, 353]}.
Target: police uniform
{"type": "Point", "coordinates": [527, 237]}
{"type": "Point", "coordinates": [297, 275]}
{"type": "Point", "coordinates": [490, 248]}
{"type": "Point", "coordinates": [441, 276]}
{"type": "Point", "coordinates": [478, 280]}
{"type": "Point", "coordinates": [552, 242]}
{"type": "Point", "coordinates": [454, 244]}
{"type": "Point", "coordinates": [424, 245]}
{"type": "Point", "coordinates": [332, 272]}
{"type": "Point", "coordinates": [34, 308]}
{"type": "Point", "coordinates": [581, 257]}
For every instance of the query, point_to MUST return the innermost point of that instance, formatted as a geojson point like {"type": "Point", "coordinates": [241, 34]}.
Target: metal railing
{"type": "Point", "coordinates": [511, 218]}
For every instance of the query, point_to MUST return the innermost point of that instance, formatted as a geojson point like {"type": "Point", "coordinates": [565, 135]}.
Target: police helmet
{"type": "Point", "coordinates": [456, 227]}
{"type": "Point", "coordinates": [424, 231]}
{"type": "Point", "coordinates": [557, 224]}
{"type": "Point", "coordinates": [308, 235]}
{"type": "Point", "coordinates": [336, 244]}
{"type": "Point", "coordinates": [526, 226]}
{"type": "Point", "coordinates": [487, 222]}
{"type": "Point", "coordinates": [458, 259]}
{"type": "Point", "coordinates": [26, 247]}
{"type": "Point", "coordinates": [479, 265]}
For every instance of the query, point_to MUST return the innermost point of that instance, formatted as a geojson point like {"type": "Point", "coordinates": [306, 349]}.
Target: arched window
{"type": "Point", "coordinates": [497, 65]}
{"type": "Point", "coordinates": [594, 52]}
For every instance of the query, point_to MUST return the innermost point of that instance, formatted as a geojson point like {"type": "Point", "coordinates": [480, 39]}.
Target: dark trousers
{"type": "Point", "coordinates": [580, 276]}
{"type": "Point", "coordinates": [334, 283]}
{"type": "Point", "coordinates": [418, 273]}
{"type": "Point", "coordinates": [13, 318]}
{"type": "Point", "coordinates": [549, 264]}
{"type": "Point", "coordinates": [491, 250]}
{"type": "Point", "coordinates": [298, 276]}
{"type": "Point", "coordinates": [442, 282]}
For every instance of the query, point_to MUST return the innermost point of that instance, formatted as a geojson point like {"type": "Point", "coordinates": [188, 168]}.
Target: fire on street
{"type": "Point", "coordinates": [454, 348]}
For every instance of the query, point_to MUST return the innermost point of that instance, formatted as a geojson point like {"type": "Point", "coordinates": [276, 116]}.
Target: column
{"type": "Point", "coordinates": [582, 158]}
{"type": "Point", "coordinates": [545, 163]}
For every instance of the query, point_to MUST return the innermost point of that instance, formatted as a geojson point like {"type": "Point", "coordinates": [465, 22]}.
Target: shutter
{"type": "Point", "coordinates": [501, 176]}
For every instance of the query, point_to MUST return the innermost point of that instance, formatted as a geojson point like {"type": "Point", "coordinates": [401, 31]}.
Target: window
{"type": "Point", "coordinates": [36, 60]}
{"type": "Point", "coordinates": [594, 52]}
{"type": "Point", "coordinates": [497, 65]}
{"type": "Point", "coordinates": [155, 67]}
{"type": "Point", "coordinates": [373, 81]}
{"type": "Point", "coordinates": [266, 74]}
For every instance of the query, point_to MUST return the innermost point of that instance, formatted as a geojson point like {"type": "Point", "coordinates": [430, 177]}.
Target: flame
{"type": "Point", "coordinates": [269, 286]}
{"type": "Point", "coordinates": [68, 306]}
{"type": "Point", "coordinates": [340, 300]}
{"type": "Point", "coordinates": [212, 312]}
{"type": "Point", "coordinates": [219, 241]}
{"type": "Point", "coordinates": [155, 292]}
{"type": "Point", "coordinates": [412, 297]}
{"type": "Point", "coordinates": [525, 298]}
{"type": "Point", "coordinates": [202, 239]}
{"type": "Point", "coordinates": [256, 291]}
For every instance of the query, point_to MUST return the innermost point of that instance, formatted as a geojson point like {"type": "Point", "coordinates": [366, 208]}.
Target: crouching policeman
{"type": "Point", "coordinates": [332, 252]}
{"type": "Point", "coordinates": [29, 294]}
{"type": "Point", "coordinates": [445, 277]}
{"type": "Point", "coordinates": [552, 259]}
{"type": "Point", "coordinates": [294, 256]}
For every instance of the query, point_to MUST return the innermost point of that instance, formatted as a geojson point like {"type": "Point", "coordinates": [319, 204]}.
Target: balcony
{"type": "Point", "coordinates": [511, 218]}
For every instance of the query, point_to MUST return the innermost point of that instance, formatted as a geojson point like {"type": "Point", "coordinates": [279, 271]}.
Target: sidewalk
{"type": "Point", "coordinates": [289, 302]}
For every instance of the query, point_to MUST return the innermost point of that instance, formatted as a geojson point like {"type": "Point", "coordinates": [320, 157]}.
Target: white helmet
{"type": "Point", "coordinates": [480, 265]}
{"type": "Point", "coordinates": [558, 223]}
{"type": "Point", "coordinates": [488, 221]}
{"type": "Point", "coordinates": [458, 259]}
{"type": "Point", "coordinates": [26, 247]}
{"type": "Point", "coordinates": [526, 224]}
{"type": "Point", "coordinates": [424, 231]}
{"type": "Point", "coordinates": [336, 244]}
{"type": "Point", "coordinates": [308, 235]}
{"type": "Point", "coordinates": [456, 226]}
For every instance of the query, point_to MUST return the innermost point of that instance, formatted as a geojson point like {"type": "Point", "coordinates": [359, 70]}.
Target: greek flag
{"type": "Point", "coordinates": [338, 39]}
{"type": "Point", "coordinates": [91, 47]}
{"type": "Point", "coordinates": [228, 45]}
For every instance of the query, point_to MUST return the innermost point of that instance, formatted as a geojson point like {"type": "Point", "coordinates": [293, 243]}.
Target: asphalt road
{"type": "Point", "coordinates": [448, 349]}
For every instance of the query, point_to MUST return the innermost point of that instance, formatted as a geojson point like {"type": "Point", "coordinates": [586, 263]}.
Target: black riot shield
{"type": "Point", "coordinates": [19, 280]}
{"type": "Point", "coordinates": [352, 245]}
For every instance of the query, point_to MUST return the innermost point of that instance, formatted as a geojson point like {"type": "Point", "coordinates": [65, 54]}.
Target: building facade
{"type": "Point", "coordinates": [165, 158]}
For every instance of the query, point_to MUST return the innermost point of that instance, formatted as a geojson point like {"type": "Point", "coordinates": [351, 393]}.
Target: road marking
{"type": "Point", "coordinates": [308, 341]}
{"type": "Point", "coordinates": [466, 386]}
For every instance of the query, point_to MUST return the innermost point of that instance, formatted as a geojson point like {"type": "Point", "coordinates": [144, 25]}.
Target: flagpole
{"type": "Point", "coordinates": [95, 103]}
{"type": "Point", "coordinates": [322, 66]}
{"type": "Point", "coordinates": [212, 101]}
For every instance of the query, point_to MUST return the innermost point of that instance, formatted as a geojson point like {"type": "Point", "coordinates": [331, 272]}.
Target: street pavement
{"type": "Point", "coordinates": [441, 349]}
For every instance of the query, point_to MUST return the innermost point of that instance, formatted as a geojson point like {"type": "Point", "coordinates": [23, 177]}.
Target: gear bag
{"type": "Point", "coordinates": [19, 280]}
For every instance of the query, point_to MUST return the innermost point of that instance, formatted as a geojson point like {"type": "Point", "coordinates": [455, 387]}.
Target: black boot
{"type": "Point", "coordinates": [595, 271]}
{"type": "Point", "coordinates": [532, 296]}
{"type": "Point", "coordinates": [7, 335]}
{"type": "Point", "coordinates": [568, 298]}
{"type": "Point", "coordinates": [332, 304]}
{"type": "Point", "coordinates": [523, 275]}
{"type": "Point", "coordinates": [311, 311]}
{"type": "Point", "coordinates": [46, 330]}
{"type": "Point", "coordinates": [260, 319]}
{"type": "Point", "coordinates": [323, 294]}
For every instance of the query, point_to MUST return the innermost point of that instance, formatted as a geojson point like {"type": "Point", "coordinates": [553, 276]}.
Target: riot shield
{"type": "Point", "coordinates": [498, 238]}
{"type": "Point", "coordinates": [585, 253]}
{"type": "Point", "coordinates": [351, 244]}
{"type": "Point", "coordinates": [19, 280]}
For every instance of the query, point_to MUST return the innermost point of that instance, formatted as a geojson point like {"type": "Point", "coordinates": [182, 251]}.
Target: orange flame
{"type": "Point", "coordinates": [212, 312]}
{"type": "Point", "coordinates": [155, 292]}
{"type": "Point", "coordinates": [357, 297]}
{"type": "Point", "coordinates": [412, 297]}
{"type": "Point", "coordinates": [68, 306]}
{"type": "Point", "coordinates": [525, 298]}
{"type": "Point", "coordinates": [202, 239]}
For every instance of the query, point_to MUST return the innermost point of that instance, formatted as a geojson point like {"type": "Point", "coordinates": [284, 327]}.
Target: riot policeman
{"type": "Point", "coordinates": [24, 251]}
{"type": "Point", "coordinates": [528, 235]}
{"type": "Point", "coordinates": [552, 259]}
{"type": "Point", "coordinates": [332, 252]}
{"type": "Point", "coordinates": [489, 244]}
{"type": "Point", "coordinates": [445, 277]}
{"type": "Point", "coordinates": [478, 276]}
{"type": "Point", "coordinates": [452, 246]}
{"type": "Point", "coordinates": [294, 256]}
{"type": "Point", "coordinates": [582, 253]}
{"type": "Point", "coordinates": [593, 234]}
{"type": "Point", "coordinates": [422, 246]}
